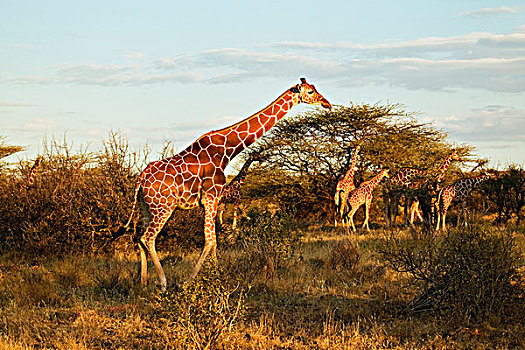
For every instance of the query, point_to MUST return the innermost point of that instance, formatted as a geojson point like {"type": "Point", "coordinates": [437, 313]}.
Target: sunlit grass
{"type": "Point", "coordinates": [320, 298]}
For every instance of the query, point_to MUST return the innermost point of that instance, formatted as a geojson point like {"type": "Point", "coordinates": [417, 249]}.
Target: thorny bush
{"type": "Point", "coordinates": [469, 273]}
{"type": "Point", "coordinates": [204, 310]}
{"type": "Point", "coordinates": [77, 201]}
{"type": "Point", "coordinates": [269, 239]}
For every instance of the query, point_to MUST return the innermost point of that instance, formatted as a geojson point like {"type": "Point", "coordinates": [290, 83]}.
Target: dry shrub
{"type": "Point", "coordinates": [30, 287]}
{"type": "Point", "coordinates": [74, 204]}
{"type": "Point", "coordinates": [268, 241]}
{"type": "Point", "coordinates": [469, 273]}
{"type": "Point", "coordinates": [78, 200]}
{"type": "Point", "coordinates": [204, 311]}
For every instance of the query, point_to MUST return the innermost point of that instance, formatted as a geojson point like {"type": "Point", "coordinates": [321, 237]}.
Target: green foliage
{"type": "Point", "coordinates": [302, 158]}
{"type": "Point", "coordinates": [76, 200]}
{"type": "Point", "coordinates": [204, 310]}
{"type": "Point", "coordinates": [469, 273]}
{"type": "Point", "coordinates": [507, 192]}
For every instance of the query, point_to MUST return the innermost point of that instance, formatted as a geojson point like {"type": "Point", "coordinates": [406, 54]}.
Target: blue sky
{"type": "Point", "coordinates": [165, 70]}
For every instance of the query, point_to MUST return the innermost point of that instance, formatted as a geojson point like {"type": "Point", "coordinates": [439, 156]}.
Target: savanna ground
{"type": "Point", "coordinates": [322, 289]}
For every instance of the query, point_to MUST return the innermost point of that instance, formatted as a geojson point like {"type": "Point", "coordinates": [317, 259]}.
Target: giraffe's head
{"type": "Point", "coordinates": [455, 156]}
{"type": "Point", "coordinates": [308, 94]}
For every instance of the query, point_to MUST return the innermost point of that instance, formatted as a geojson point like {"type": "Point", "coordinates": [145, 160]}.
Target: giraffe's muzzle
{"type": "Point", "coordinates": [326, 104]}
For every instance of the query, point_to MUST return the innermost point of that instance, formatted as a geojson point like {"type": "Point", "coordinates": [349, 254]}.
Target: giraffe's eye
{"type": "Point", "coordinates": [310, 92]}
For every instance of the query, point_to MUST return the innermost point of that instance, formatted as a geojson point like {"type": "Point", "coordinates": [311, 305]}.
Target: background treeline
{"type": "Point", "coordinates": [80, 198]}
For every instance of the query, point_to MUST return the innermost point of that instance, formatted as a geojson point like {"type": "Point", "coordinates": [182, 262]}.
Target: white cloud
{"type": "Point", "coordinates": [106, 75]}
{"type": "Point", "coordinates": [474, 45]}
{"type": "Point", "coordinates": [490, 11]}
{"type": "Point", "coordinates": [487, 124]}
{"type": "Point", "coordinates": [24, 46]}
{"type": "Point", "coordinates": [16, 104]}
{"type": "Point", "coordinates": [477, 60]}
{"type": "Point", "coordinates": [38, 124]}
{"type": "Point", "coordinates": [134, 55]}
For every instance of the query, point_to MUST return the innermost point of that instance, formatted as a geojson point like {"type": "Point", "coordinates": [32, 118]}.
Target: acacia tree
{"type": "Point", "coordinates": [7, 150]}
{"type": "Point", "coordinates": [303, 157]}
{"type": "Point", "coordinates": [507, 192]}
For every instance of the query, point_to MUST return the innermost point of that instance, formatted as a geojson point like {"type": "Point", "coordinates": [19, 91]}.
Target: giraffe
{"type": "Point", "coordinates": [344, 187]}
{"type": "Point", "coordinates": [458, 190]}
{"type": "Point", "coordinates": [231, 193]}
{"type": "Point", "coordinates": [195, 176]}
{"type": "Point", "coordinates": [32, 173]}
{"type": "Point", "coordinates": [363, 195]}
{"type": "Point", "coordinates": [438, 175]}
{"type": "Point", "coordinates": [403, 179]}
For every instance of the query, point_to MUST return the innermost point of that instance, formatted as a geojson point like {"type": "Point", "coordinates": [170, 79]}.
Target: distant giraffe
{"type": "Point", "coordinates": [363, 195]}
{"type": "Point", "coordinates": [195, 176]}
{"type": "Point", "coordinates": [392, 192]}
{"type": "Point", "coordinates": [458, 190]}
{"type": "Point", "coordinates": [438, 175]}
{"type": "Point", "coordinates": [32, 173]}
{"type": "Point", "coordinates": [232, 192]}
{"type": "Point", "coordinates": [344, 187]}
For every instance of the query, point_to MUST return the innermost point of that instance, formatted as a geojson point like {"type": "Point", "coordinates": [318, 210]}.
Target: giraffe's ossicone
{"type": "Point", "coordinates": [195, 176]}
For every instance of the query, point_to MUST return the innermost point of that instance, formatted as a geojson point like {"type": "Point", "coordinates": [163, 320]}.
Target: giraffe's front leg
{"type": "Point", "coordinates": [235, 214]}
{"type": "Point", "coordinates": [210, 241]}
{"type": "Point", "coordinates": [443, 218]}
{"type": "Point", "coordinates": [438, 218]}
{"type": "Point", "coordinates": [148, 241]}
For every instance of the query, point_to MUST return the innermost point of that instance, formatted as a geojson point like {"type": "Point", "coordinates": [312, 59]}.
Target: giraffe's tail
{"type": "Point", "coordinates": [123, 229]}
{"type": "Point", "coordinates": [135, 196]}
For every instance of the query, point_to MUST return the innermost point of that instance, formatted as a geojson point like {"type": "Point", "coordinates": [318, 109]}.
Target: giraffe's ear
{"type": "Point", "coordinates": [303, 80]}
{"type": "Point", "coordinates": [296, 89]}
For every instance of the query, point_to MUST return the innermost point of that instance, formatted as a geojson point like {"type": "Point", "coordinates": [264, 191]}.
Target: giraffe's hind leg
{"type": "Point", "coordinates": [146, 218]}
{"type": "Point", "coordinates": [153, 223]}
{"type": "Point", "coordinates": [351, 217]}
{"type": "Point", "coordinates": [367, 213]}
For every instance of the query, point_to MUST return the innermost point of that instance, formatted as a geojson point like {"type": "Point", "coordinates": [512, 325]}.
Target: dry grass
{"type": "Point", "coordinates": [335, 292]}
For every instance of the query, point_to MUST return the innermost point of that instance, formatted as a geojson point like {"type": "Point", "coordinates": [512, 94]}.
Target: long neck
{"type": "Point", "coordinates": [349, 176]}
{"type": "Point", "coordinates": [405, 175]}
{"type": "Point", "coordinates": [232, 140]}
{"type": "Point", "coordinates": [440, 173]}
{"type": "Point", "coordinates": [479, 179]}
{"type": "Point", "coordinates": [376, 180]}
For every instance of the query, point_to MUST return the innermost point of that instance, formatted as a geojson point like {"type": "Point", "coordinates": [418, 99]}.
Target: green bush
{"type": "Point", "coordinates": [74, 203]}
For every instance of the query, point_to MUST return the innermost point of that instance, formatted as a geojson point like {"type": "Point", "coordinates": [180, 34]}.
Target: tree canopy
{"type": "Point", "coordinates": [303, 157]}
